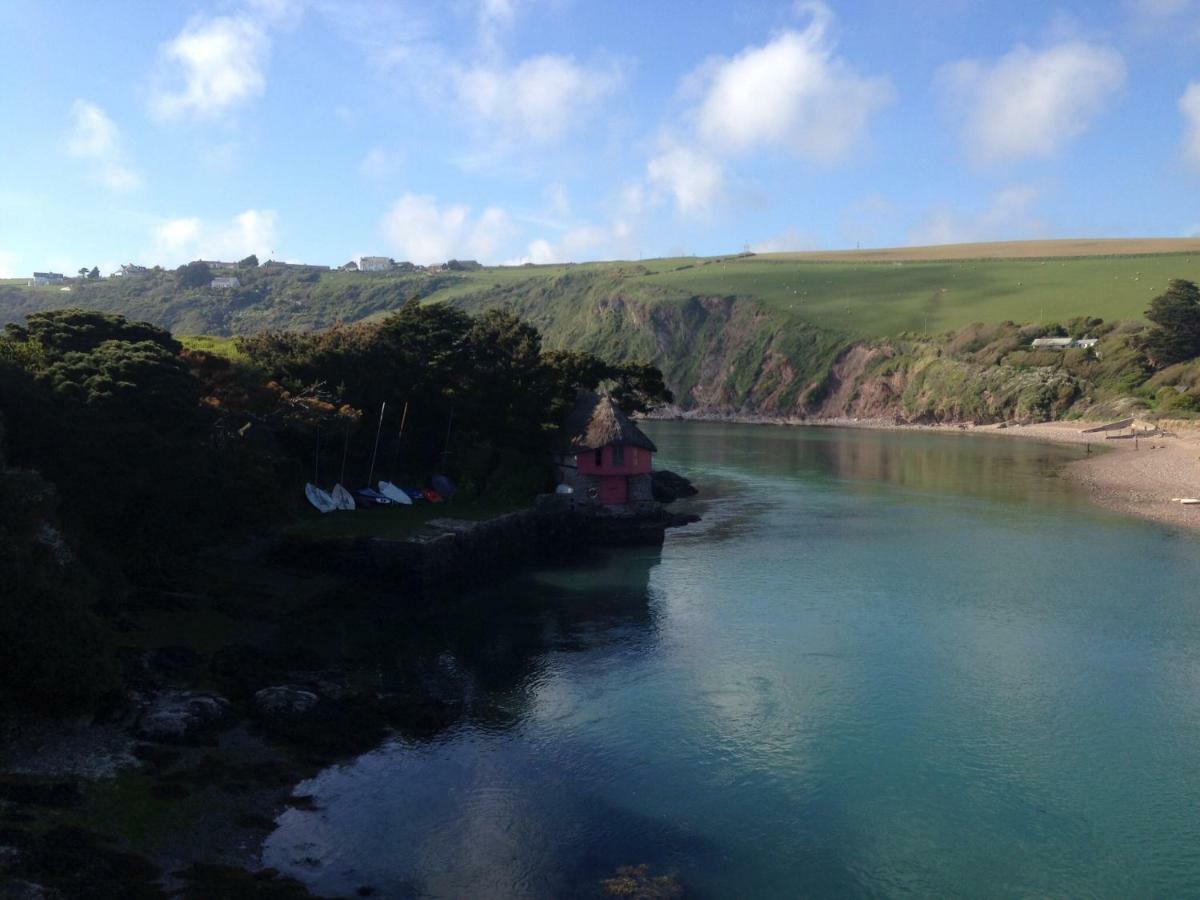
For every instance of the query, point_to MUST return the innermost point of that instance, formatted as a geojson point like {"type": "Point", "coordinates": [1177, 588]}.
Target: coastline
{"type": "Point", "coordinates": [1132, 478]}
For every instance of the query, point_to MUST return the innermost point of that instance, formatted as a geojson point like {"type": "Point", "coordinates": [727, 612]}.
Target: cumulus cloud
{"type": "Point", "coordinates": [790, 240]}
{"type": "Point", "coordinates": [582, 243]}
{"type": "Point", "coordinates": [216, 65]}
{"type": "Point", "coordinates": [1009, 216]}
{"type": "Point", "coordinates": [692, 178]}
{"type": "Point", "coordinates": [418, 229]}
{"type": "Point", "coordinates": [1029, 103]}
{"type": "Point", "coordinates": [538, 99]}
{"type": "Point", "coordinates": [792, 92]}
{"type": "Point", "coordinates": [1189, 105]}
{"type": "Point", "coordinates": [95, 139]}
{"type": "Point", "coordinates": [180, 240]}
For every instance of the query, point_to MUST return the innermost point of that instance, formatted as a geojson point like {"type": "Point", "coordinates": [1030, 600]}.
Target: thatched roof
{"type": "Point", "coordinates": [596, 422]}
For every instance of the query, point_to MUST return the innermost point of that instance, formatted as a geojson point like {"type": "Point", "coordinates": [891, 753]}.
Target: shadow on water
{"type": "Point", "coordinates": [483, 650]}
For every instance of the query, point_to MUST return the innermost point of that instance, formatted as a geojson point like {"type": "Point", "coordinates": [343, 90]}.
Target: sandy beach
{"type": "Point", "coordinates": [1142, 478]}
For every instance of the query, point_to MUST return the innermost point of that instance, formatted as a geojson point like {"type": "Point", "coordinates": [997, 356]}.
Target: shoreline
{"type": "Point", "coordinates": [1132, 478]}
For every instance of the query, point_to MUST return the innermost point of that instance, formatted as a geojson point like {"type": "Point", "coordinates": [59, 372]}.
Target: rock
{"type": "Point", "coordinates": [180, 717]}
{"type": "Point", "coordinates": [285, 701]}
{"type": "Point", "coordinates": [56, 794]}
{"type": "Point", "coordinates": [25, 890]}
{"type": "Point", "coordinates": [667, 486]}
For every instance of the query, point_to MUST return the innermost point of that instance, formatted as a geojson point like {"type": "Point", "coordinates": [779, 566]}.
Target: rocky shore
{"type": "Point", "coordinates": [236, 692]}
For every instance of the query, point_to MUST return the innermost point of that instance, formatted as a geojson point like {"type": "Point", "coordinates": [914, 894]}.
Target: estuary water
{"type": "Point", "coordinates": [883, 664]}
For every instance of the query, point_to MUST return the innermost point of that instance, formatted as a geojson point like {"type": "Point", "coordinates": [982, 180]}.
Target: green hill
{"type": "Point", "coordinates": [739, 334]}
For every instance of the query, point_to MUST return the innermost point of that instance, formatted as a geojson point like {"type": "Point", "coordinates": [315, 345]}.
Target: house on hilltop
{"type": "Point", "coordinates": [603, 457]}
{"type": "Point", "coordinates": [40, 279]}
{"type": "Point", "coordinates": [225, 283]}
{"type": "Point", "coordinates": [375, 264]}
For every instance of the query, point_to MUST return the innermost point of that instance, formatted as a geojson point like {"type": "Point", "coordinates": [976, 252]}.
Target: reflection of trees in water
{"type": "Point", "coordinates": [937, 462]}
{"type": "Point", "coordinates": [963, 464]}
{"type": "Point", "coordinates": [486, 650]}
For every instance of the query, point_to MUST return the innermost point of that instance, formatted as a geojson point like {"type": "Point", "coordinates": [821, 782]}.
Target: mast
{"type": "Point", "coordinates": [371, 474]}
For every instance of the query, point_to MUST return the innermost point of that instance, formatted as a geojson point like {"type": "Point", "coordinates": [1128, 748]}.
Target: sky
{"type": "Point", "coordinates": [513, 131]}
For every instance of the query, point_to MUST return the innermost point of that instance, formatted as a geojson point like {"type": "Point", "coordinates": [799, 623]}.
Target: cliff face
{"type": "Point", "coordinates": [722, 356]}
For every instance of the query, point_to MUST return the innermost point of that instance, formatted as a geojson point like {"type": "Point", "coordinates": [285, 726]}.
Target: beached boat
{"type": "Point", "coordinates": [395, 494]}
{"type": "Point", "coordinates": [342, 497]}
{"type": "Point", "coordinates": [319, 498]}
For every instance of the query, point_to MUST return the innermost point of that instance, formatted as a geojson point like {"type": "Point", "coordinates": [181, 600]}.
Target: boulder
{"type": "Point", "coordinates": [285, 702]}
{"type": "Point", "coordinates": [669, 486]}
{"type": "Point", "coordinates": [180, 717]}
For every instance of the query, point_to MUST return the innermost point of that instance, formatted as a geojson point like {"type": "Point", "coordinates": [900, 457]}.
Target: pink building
{"type": "Point", "coordinates": [605, 458]}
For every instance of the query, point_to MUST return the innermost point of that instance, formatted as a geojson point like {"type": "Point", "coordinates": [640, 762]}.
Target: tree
{"type": "Point", "coordinates": [83, 270]}
{"type": "Point", "coordinates": [1175, 336]}
{"type": "Point", "coordinates": [94, 273]}
{"type": "Point", "coordinates": [65, 330]}
{"type": "Point", "coordinates": [250, 262]}
{"type": "Point", "coordinates": [194, 274]}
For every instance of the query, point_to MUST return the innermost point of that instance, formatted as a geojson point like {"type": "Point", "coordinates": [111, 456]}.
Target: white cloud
{"type": "Point", "coordinates": [790, 240]}
{"type": "Point", "coordinates": [1031, 104]}
{"type": "Point", "coordinates": [8, 264]}
{"type": "Point", "coordinates": [181, 240]}
{"type": "Point", "coordinates": [1009, 216]}
{"type": "Point", "coordinates": [95, 138]}
{"type": "Point", "coordinates": [419, 230]}
{"type": "Point", "coordinates": [692, 178]}
{"type": "Point", "coordinates": [582, 243]}
{"type": "Point", "coordinates": [539, 99]}
{"type": "Point", "coordinates": [792, 92]}
{"type": "Point", "coordinates": [1189, 105]}
{"type": "Point", "coordinates": [219, 63]}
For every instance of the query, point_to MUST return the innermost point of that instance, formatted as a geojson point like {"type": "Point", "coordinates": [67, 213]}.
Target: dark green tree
{"type": "Point", "coordinates": [1175, 336]}
{"type": "Point", "coordinates": [250, 262]}
{"type": "Point", "coordinates": [64, 330]}
{"type": "Point", "coordinates": [94, 274]}
{"type": "Point", "coordinates": [194, 274]}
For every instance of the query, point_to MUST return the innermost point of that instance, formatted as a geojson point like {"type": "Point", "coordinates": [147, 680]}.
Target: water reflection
{"type": "Point", "coordinates": [882, 664]}
{"type": "Point", "coordinates": [486, 652]}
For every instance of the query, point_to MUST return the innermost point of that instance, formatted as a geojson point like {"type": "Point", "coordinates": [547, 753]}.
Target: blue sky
{"type": "Point", "coordinates": [547, 130]}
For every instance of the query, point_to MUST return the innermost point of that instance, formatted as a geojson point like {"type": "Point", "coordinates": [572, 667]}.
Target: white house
{"type": "Point", "coordinates": [41, 279]}
{"type": "Point", "coordinates": [225, 283]}
{"type": "Point", "coordinates": [375, 264]}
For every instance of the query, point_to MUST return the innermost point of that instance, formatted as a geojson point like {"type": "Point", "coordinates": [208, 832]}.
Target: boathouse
{"type": "Point", "coordinates": [603, 456]}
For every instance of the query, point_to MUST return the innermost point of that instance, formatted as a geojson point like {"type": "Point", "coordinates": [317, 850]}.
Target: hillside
{"type": "Point", "coordinates": [741, 334]}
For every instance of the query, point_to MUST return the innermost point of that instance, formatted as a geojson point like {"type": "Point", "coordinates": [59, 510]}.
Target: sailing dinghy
{"type": "Point", "coordinates": [394, 493]}
{"type": "Point", "coordinates": [319, 498]}
{"type": "Point", "coordinates": [342, 498]}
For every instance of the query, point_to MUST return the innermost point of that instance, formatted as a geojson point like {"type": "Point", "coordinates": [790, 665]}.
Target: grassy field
{"type": "Point", "coordinates": [871, 297]}
{"type": "Point", "coordinates": [1002, 250]}
{"type": "Point", "coordinates": [395, 522]}
{"type": "Point", "coordinates": [217, 346]}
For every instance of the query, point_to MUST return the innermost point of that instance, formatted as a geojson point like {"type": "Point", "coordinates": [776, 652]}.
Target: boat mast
{"type": "Point", "coordinates": [379, 429]}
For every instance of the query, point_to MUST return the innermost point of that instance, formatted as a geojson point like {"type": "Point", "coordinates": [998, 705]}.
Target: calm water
{"type": "Point", "coordinates": [883, 664]}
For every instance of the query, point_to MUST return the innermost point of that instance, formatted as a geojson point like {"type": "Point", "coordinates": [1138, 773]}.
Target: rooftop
{"type": "Point", "coordinates": [596, 422]}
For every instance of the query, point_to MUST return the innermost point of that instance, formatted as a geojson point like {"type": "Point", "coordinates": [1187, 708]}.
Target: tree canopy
{"type": "Point", "coordinates": [1175, 336]}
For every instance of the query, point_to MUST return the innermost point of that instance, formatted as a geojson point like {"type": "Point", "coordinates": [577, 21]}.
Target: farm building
{"type": "Point", "coordinates": [225, 283]}
{"type": "Point", "coordinates": [44, 278]}
{"type": "Point", "coordinates": [375, 263]}
{"type": "Point", "coordinates": [604, 457]}
{"type": "Point", "coordinates": [217, 266]}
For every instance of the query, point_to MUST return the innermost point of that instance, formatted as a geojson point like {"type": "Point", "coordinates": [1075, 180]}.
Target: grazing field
{"type": "Point", "coordinates": [1002, 250]}
{"type": "Point", "coordinates": [217, 346]}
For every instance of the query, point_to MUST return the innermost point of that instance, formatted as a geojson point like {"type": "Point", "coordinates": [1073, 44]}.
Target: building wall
{"type": "Point", "coordinates": [636, 461]}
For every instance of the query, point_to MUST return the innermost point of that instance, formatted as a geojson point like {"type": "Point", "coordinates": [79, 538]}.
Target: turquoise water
{"type": "Point", "coordinates": [883, 664]}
